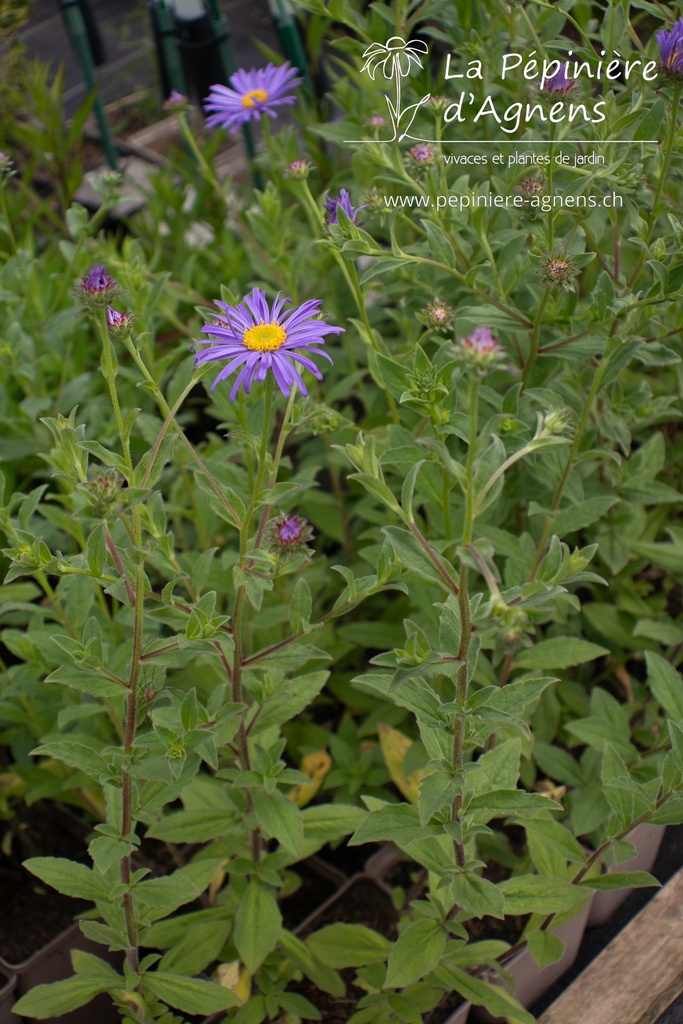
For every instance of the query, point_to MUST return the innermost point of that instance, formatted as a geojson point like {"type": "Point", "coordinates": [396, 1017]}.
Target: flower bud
{"type": "Point", "coordinates": [118, 322]}
{"type": "Point", "coordinates": [421, 154]}
{"type": "Point", "coordinates": [290, 534]}
{"type": "Point", "coordinates": [97, 288]}
{"type": "Point", "coordinates": [298, 169]}
{"type": "Point", "coordinates": [438, 315]}
{"type": "Point", "coordinates": [176, 101]}
{"type": "Point", "coordinates": [480, 349]}
{"type": "Point", "coordinates": [558, 268]}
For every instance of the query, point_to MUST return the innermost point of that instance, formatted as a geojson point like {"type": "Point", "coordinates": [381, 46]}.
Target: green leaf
{"type": "Point", "coordinates": [325, 823]}
{"type": "Point", "coordinates": [91, 966]}
{"type": "Point", "coordinates": [666, 684]}
{"type": "Point", "coordinates": [477, 895]}
{"type": "Point", "coordinates": [439, 244]}
{"type": "Point", "coordinates": [200, 946]}
{"type": "Point", "coordinates": [670, 813]}
{"type": "Point", "coordinates": [77, 755]}
{"type": "Point", "coordinates": [258, 923]}
{"type": "Point", "coordinates": [398, 822]}
{"type": "Point", "coordinates": [394, 376]}
{"type": "Point", "coordinates": [516, 698]}
{"type": "Point", "coordinates": [417, 951]}
{"type": "Point", "coordinates": [280, 819]}
{"type": "Point", "coordinates": [536, 894]}
{"type": "Point", "coordinates": [47, 1001]}
{"type": "Point", "coordinates": [191, 995]}
{"type": "Point", "coordinates": [596, 732]}
{"type": "Point", "coordinates": [166, 894]}
{"type": "Point", "coordinates": [584, 514]}
{"type": "Point", "coordinates": [320, 974]}
{"type": "Point", "coordinates": [551, 845]}
{"type": "Point", "coordinates": [96, 550]}
{"type": "Point", "coordinates": [676, 737]}
{"type": "Point", "coordinates": [503, 802]}
{"type": "Point", "coordinates": [559, 652]}
{"type": "Point", "coordinates": [648, 127]}
{"type": "Point", "coordinates": [106, 851]}
{"type": "Point", "coordinates": [86, 682]}
{"type": "Point", "coordinates": [300, 607]}
{"type": "Point", "coordinates": [191, 826]}
{"type": "Point", "coordinates": [413, 556]}
{"type": "Point", "coordinates": [290, 697]}
{"type": "Point", "coordinates": [68, 877]}
{"type": "Point", "coordinates": [496, 1000]}
{"type": "Point", "coordinates": [349, 945]}
{"type": "Point", "coordinates": [496, 769]}
{"type": "Point", "coordinates": [620, 880]}
{"type": "Point", "coordinates": [545, 947]}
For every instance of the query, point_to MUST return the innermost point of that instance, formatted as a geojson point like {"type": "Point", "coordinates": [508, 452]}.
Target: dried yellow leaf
{"type": "Point", "coordinates": [315, 766]}
{"type": "Point", "coordinates": [395, 746]}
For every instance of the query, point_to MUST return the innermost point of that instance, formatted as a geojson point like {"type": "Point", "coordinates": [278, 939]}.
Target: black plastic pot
{"type": "Point", "coordinates": [53, 963]}
{"type": "Point", "coordinates": [8, 983]}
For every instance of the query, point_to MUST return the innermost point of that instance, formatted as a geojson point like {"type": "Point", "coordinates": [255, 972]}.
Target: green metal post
{"type": "Point", "coordinates": [290, 37]}
{"type": "Point", "coordinates": [221, 31]}
{"type": "Point", "coordinates": [166, 26]}
{"type": "Point", "coordinates": [79, 38]}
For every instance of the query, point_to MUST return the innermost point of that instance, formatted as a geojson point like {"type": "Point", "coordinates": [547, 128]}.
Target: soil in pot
{"type": "Point", "coordinates": [350, 860]}
{"type": "Point", "coordinates": [33, 913]}
{"type": "Point", "coordinates": [361, 901]}
{"type": "Point", "coordinates": [313, 891]}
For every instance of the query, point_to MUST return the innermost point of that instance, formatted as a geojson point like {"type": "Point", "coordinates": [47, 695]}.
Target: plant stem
{"type": "Point", "coordinates": [668, 151]}
{"type": "Point", "coordinates": [240, 595]}
{"type": "Point", "coordinates": [272, 479]}
{"type": "Point", "coordinates": [573, 451]}
{"type": "Point", "coordinates": [109, 371]}
{"type": "Point", "coordinates": [127, 816]}
{"type": "Point", "coordinates": [172, 421]}
{"type": "Point", "coordinates": [535, 337]}
{"type": "Point", "coordinates": [465, 619]}
{"type": "Point", "coordinates": [353, 280]}
{"type": "Point", "coordinates": [202, 162]}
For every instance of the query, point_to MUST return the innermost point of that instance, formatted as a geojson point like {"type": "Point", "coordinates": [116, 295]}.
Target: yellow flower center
{"type": "Point", "coordinates": [265, 338]}
{"type": "Point", "coordinates": [254, 96]}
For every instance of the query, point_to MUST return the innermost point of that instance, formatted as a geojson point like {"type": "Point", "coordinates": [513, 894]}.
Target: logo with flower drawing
{"type": "Point", "coordinates": [394, 61]}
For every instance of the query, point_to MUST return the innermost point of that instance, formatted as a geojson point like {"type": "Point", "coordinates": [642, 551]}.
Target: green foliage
{"type": "Point", "coordinates": [495, 574]}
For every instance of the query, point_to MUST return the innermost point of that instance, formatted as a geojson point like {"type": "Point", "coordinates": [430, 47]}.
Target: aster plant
{"type": "Point", "coordinates": [490, 431]}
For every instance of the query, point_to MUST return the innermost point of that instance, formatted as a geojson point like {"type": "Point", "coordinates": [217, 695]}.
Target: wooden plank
{"type": "Point", "coordinates": [637, 976]}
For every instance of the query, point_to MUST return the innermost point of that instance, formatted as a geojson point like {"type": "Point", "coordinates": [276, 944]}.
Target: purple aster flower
{"type": "Point", "coordinates": [290, 534]}
{"type": "Point", "coordinates": [97, 287]}
{"type": "Point", "coordinates": [258, 337]}
{"type": "Point", "coordinates": [560, 83]}
{"type": "Point", "coordinates": [344, 201]}
{"type": "Point", "coordinates": [671, 49]}
{"type": "Point", "coordinates": [253, 93]}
